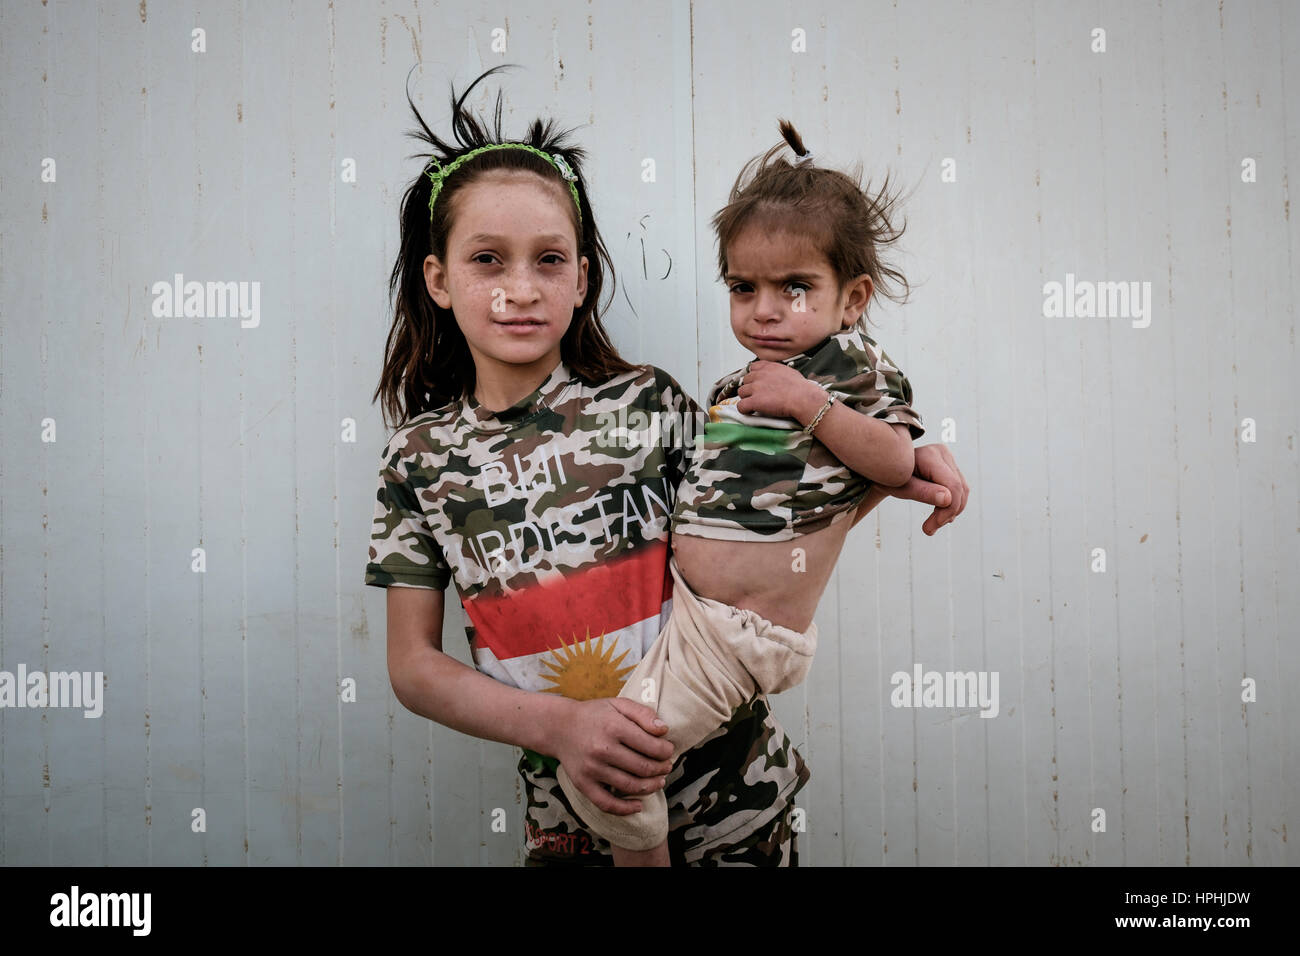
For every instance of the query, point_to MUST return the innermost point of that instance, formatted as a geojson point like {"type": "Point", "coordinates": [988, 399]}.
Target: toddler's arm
{"type": "Point", "coordinates": [877, 450]}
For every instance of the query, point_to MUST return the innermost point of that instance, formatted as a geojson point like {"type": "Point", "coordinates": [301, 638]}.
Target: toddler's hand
{"type": "Point", "coordinates": [778, 391]}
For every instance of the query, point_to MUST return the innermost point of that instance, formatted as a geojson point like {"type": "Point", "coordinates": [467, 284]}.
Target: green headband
{"type": "Point", "coordinates": [442, 172]}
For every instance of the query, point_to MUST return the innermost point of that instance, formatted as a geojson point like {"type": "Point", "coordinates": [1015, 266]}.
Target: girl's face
{"type": "Point", "coordinates": [784, 295]}
{"type": "Point", "coordinates": [512, 275]}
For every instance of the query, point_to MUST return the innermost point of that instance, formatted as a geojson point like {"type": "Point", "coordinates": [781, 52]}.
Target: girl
{"type": "Point", "coordinates": [501, 477]}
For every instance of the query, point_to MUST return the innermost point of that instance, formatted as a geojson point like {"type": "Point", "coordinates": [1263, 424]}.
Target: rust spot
{"type": "Point", "coordinates": [45, 212]}
{"type": "Point", "coordinates": [143, 12]}
{"type": "Point", "coordinates": [239, 112]}
{"type": "Point", "coordinates": [1143, 539]}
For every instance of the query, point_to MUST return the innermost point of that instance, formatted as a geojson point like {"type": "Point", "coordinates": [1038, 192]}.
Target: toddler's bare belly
{"type": "Point", "coordinates": [761, 575]}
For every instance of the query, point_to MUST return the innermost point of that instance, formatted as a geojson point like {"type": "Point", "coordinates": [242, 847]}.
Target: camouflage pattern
{"type": "Point", "coordinates": [718, 814]}
{"type": "Point", "coordinates": [756, 478]}
{"type": "Point", "coordinates": [554, 525]}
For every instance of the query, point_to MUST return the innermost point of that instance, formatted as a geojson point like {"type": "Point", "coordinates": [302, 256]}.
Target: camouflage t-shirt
{"type": "Point", "coordinates": [755, 478]}
{"type": "Point", "coordinates": [552, 518]}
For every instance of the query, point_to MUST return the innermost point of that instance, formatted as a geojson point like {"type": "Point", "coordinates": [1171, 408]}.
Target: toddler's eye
{"type": "Point", "coordinates": [802, 285]}
{"type": "Point", "coordinates": [739, 288]}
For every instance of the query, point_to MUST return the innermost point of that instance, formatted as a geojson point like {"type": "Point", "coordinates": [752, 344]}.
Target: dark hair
{"type": "Point", "coordinates": [828, 206]}
{"type": "Point", "coordinates": [427, 362]}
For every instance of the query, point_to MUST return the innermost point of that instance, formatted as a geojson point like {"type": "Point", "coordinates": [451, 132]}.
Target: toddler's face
{"type": "Point", "coordinates": [512, 274]}
{"type": "Point", "coordinates": [784, 295]}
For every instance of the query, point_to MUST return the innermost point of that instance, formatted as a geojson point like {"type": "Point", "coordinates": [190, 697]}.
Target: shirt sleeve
{"type": "Point", "coordinates": [876, 387]}
{"type": "Point", "coordinates": [403, 551]}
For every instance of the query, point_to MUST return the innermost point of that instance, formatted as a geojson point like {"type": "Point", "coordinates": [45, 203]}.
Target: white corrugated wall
{"type": "Point", "coordinates": [1037, 157]}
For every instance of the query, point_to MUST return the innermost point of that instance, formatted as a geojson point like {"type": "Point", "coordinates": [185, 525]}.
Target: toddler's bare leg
{"type": "Point", "coordinates": [655, 856]}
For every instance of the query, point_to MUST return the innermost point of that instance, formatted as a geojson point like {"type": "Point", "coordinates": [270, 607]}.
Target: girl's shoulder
{"type": "Point", "coordinates": [644, 386]}
{"type": "Point", "coordinates": [420, 434]}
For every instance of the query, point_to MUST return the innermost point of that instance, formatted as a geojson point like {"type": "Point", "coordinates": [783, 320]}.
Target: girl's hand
{"type": "Point", "coordinates": [613, 742]}
{"type": "Point", "coordinates": [778, 391]}
{"type": "Point", "coordinates": [936, 481]}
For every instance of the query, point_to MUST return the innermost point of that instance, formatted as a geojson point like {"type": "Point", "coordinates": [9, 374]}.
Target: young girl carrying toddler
{"type": "Point", "coordinates": [500, 477]}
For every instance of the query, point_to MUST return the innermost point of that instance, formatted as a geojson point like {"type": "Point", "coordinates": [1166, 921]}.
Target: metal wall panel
{"type": "Point", "coordinates": [1033, 156]}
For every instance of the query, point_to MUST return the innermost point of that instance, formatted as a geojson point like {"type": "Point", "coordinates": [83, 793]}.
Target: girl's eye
{"type": "Point", "coordinates": [481, 256]}
{"type": "Point", "coordinates": [554, 255]}
{"type": "Point", "coordinates": [802, 285]}
{"type": "Point", "coordinates": [740, 288]}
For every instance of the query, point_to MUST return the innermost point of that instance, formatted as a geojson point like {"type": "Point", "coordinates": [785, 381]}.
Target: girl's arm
{"type": "Point", "coordinates": [611, 741]}
{"type": "Point", "coordinates": [874, 496]}
{"type": "Point", "coordinates": [937, 481]}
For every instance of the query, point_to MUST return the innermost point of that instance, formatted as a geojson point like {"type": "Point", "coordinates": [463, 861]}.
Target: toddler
{"type": "Point", "coordinates": [794, 441]}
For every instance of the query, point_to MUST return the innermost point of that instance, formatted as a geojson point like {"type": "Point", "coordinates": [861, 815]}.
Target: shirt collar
{"type": "Point", "coordinates": [546, 395]}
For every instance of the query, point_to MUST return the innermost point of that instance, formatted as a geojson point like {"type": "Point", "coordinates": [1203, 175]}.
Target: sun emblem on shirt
{"type": "Point", "coordinates": [584, 671]}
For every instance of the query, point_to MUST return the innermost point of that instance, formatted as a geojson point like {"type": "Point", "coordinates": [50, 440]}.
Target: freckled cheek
{"type": "Point", "coordinates": [558, 285]}
{"type": "Point", "coordinates": [478, 295]}
{"type": "Point", "coordinates": [486, 290]}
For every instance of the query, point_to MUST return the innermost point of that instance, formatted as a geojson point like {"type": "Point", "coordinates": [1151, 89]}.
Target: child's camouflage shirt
{"type": "Point", "coordinates": [554, 527]}
{"type": "Point", "coordinates": [754, 478]}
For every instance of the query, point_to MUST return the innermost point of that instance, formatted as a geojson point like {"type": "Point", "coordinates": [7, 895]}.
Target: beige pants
{"type": "Point", "coordinates": [708, 660]}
